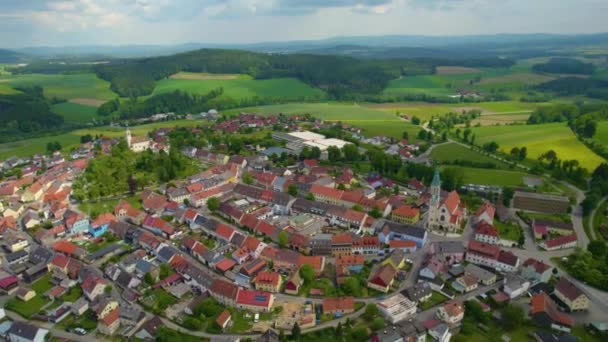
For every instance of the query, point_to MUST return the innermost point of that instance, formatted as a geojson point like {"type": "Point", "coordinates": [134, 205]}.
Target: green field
{"type": "Point", "coordinates": [72, 86]}
{"type": "Point", "coordinates": [371, 121]}
{"type": "Point", "coordinates": [73, 112]}
{"type": "Point", "coordinates": [425, 111]}
{"type": "Point", "coordinates": [241, 87]}
{"type": "Point", "coordinates": [490, 176]}
{"type": "Point", "coordinates": [601, 135]}
{"type": "Point", "coordinates": [450, 152]}
{"type": "Point", "coordinates": [539, 139]}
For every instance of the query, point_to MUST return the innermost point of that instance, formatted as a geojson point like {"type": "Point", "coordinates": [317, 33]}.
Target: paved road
{"type": "Point", "coordinates": [54, 331]}
{"type": "Point", "coordinates": [592, 218]}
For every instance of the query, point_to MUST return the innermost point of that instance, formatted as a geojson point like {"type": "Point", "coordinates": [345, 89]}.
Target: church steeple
{"type": "Point", "coordinates": [128, 136]}
{"type": "Point", "coordinates": [436, 189]}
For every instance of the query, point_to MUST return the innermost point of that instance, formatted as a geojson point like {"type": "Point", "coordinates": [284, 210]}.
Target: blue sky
{"type": "Point", "coordinates": [120, 22]}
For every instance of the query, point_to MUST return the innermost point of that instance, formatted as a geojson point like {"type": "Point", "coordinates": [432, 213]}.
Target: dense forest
{"type": "Point", "coordinates": [26, 113]}
{"type": "Point", "coordinates": [340, 77]}
{"type": "Point", "coordinates": [564, 66]}
{"type": "Point", "coordinates": [568, 86]}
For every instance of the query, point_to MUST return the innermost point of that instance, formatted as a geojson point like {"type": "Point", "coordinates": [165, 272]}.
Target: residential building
{"type": "Point", "coordinates": [507, 262]}
{"type": "Point", "coordinates": [293, 283]}
{"type": "Point", "coordinates": [515, 286]}
{"type": "Point", "coordinates": [419, 293]}
{"type": "Point", "coordinates": [487, 233]}
{"type": "Point", "coordinates": [562, 242]}
{"type": "Point", "coordinates": [382, 277]}
{"type": "Point", "coordinates": [485, 277]}
{"type": "Point", "coordinates": [485, 214]}
{"type": "Point", "coordinates": [25, 332]}
{"type": "Point", "coordinates": [536, 271]}
{"type": "Point", "coordinates": [397, 308]}
{"type": "Point", "coordinates": [387, 231]}
{"type": "Point", "coordinates": [545, 313]}
{"type": "Point", "coordinates": [482, 253]}
{"type": "Point", "coordinates": [451, 313]}
{"type": "Point", "coordinates": [466, 283]}
{"type": "Point", "coordinates": [253, 300]}
{"type": "Point", "coordinates": [338, 305]}
{"type": "Point", "coordinates": [406, 214]}
{"type": "Point", "coordinates": [574, 298]}
{"type": "Point", "coordinates": [268, 281]}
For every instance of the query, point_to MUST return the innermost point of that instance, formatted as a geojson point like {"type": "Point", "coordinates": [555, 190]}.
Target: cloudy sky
{"type": "Point", "coordinates": [119, 22]}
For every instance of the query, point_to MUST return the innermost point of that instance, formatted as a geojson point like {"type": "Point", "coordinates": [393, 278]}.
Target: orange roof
{"type": "Point", "coordinates": [338, 304]}
{"type": "Point", "coordinates": [406, 211]}
{"type": "Point", "coordinates": [452, 201]}
{"type": "Point", "coordinates": [315, 261]}
{"type": "Point", "coordinates": [341, 239]}
{"type": "Point", "coordinates": [105, 218]}
{"type": "Point", "coordinates": [64, 246]}
{"type": "Point", "coordinates": [401, 244]}
{"type": "Point", "coordinates": [223, 318]}
{"type": "Point", "coordinates": [271, 278]}
{"type": "Point", "coordinates": [110, 317]}
{"type": "Point", "coordinates": [324, 191]}
{"type": "Point", "coordinates": [454, 309]}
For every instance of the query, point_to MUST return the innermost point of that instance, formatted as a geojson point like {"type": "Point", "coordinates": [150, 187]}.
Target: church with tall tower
{"type": "Point", "coordinates": [140, 144]}
{"type": "Point", "coordinates": [446, 212]}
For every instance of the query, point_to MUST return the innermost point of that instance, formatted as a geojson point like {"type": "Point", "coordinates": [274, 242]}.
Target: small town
{"type": "Point", "coordinates": [281, 227]}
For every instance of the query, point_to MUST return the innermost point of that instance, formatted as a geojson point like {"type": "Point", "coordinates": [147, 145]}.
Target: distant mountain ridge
{"type": "Point", "coordinates": [9, 56]}
{"type": "Point", "coordinates": [414, 45]}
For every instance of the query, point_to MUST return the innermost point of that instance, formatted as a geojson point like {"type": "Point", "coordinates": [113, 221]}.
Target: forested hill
{"type": "Point", "coordinates": [8, 56]}
{"type": "Point", "coordinates": [338, 76]}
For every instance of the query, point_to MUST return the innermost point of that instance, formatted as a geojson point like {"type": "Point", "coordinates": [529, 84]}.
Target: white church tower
{"type": "Point", "coordinates": [128, 136]}
{"type": "Point", "coordinates": [433, 213]}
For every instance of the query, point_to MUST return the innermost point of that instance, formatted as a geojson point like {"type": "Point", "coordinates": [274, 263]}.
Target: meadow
{"type": "Point", "coordinates": [426, 111]}
{"type": "Point", "coordinates": [539, 139]}
{"type": "Point", "coordinates": [450, 152]}
{"type": "Point", "coordinates": [68, 86]}
{"type": "Point", "coordinates": [601, 134]}
{"type": "Point", "coordinates": [73, 112]}
{"type": "Point", "coordinates": [372, 121]}
{"type": "Point", "coordinates": [490, 176]}
{"type": "Point", "coordinates": [237, 86]}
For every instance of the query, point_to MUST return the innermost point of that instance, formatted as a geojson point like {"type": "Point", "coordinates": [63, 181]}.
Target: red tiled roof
{"type": "Point", "coordinates": [508, 258]}
{"type": "Point", "coordinates": [266, 228]}
{"type": "Point", "coordinates": [225, 264]}
{"type": "Point", "coordinates": [323, 191]}
{"type": "Point", "coordinates": [350, 260]}
{"type": "Point", "coordinates": [384, 275]}
{"type": "Point", "coordinates": [271, 278]}
{"type": "Point", "coordinates": [487, 250]}
{"type": "Point", "coordinates": [453, 309]}
{"type": "Point", "coordinates": [223, 318]}
{"type": "Point", "coordinates": [352, 215]}
{"type": "Point", "coordinates": [60, 261]}
{"type": "Point", "coordinates": [8, 281]}
{"type": "Point", "coordinates": [539, 266]}
{"type": "Point", "coordinates": [541, 303]}
{"type": "Point", "coordinates": [338, 304]}
{"type": "Point", "coordinates": [105, 218]}
{"type": "Point", "coordinates": [568, 289]}
{"type": "Point", "coordinates": [485, 229]}
{"type": "Point", "coordinates": [452, 201]}
{"type": "Point", "coordinates": [366, 241]}
{"type": "Point", "coordinates": [254, 298]}
{"type": "Point", "coordinates": [91, 282]}
{"type": "Point", "coordinates": [352, 196]}
{"type": "Point", "coordinates": [401, 244]}
{"type": "Point", "coordinates": [224, 289]}
{"type": "Point", "coordinates": [561, 240]}
{"type": "Point", "coordinates": [64, 246]}
{"type": "Point", "coordinates": [486, 207]}
{"type": "Point", "coordinates": [342, 239]}
{"type": "Point", "coordinates": [111, 317]}
{"type": "Point", "coordinates": [316, 261]}
{"type": "Point", "coordinates": [406, 211]}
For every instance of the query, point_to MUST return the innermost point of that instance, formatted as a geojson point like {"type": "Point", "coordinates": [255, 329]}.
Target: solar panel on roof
{"type": "Point", "coordinates": [260, 298]}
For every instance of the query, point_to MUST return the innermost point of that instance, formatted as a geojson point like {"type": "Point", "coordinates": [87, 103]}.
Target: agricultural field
{"type": "Point", "coordinates": [538, 139]}
{"type": "Point", "coordinates": [73, 86]}
{"type": "Point", "coordinates": [450, 152]}
{"type": "Point", "coordinates": [370, 120]}
{"type": "Point", "coordinates": [425, 111]}
{"type": "Point", "coordinates": [454, 70]}
{"type": "Point", "coordinates": [73, 112]}
{"type": "Point", "coordinates": [601, 134]}
{"type": "Point", "coordinates": [500, 119]}
{"type": "Point", "coordinates": [237, 86]}
{"type": "Point", "coordinates": [490, 176]}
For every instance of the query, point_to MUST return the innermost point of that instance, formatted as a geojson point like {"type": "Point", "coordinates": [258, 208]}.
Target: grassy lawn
{"type": "Point", "coordinates": [86, 321]}
{"type": "Point", "coordinates": [436, 299]}
{"type": "Point", "coordinates": [108, 205]}
{"type": "Point", "coordinates": [451, 152]}
{"type": "Point", "coordinates": [239, 322]}
{"type": "Point", "coordinates": [72, 295]}
{"type": "Point", "coordinates": [601, 134]}
{"type": "Point", "coordinates": [538, 139]}
{"type": "Point", "coordinates": [64, 86]}
{"type": "Point", "coordinates": [43, 284]}
{"type": "Point", "coordinates": [508, 231]}
{"type": "Point", "coordinates": [320, 283]}
{"type": "Point", "coordinates": [73, 112]}
{"type": "Point", "coordinates": [241, 87]}
{"type": "Point", "coordinates": [159, 300]}
{"type": "Point", "coordinates": [489, 176]}
{"type": "Point", "coordinates": [29, 308]}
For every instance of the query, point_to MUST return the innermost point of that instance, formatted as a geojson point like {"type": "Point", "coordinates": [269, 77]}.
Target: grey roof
{"type": "Point", "coordinates": [481, 273]}
{"type": "Point", "coordinates": [418, 291]}
{"type": "Point", "coordinates": [104, 251]}
{"type": "Point", "coordinates": [275, 150]}
{"type": "Point", "coordinates": [166, 253]}
{"type": "Point", "coordinates": [12, 257]}
{"type": "Point", "coordinates": [40, 254]}
{"type": "Point", "coordinates": [448, 247]}
{"type": "Point", "coordinates": [23, 330]}
{"type": "Point", "coordinates": [143, 266]}
{"type": "Point", "coordinates": [405, 229]}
